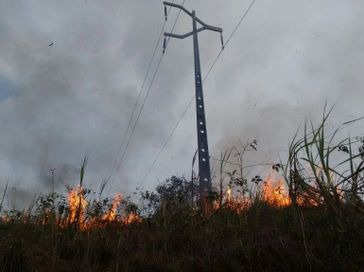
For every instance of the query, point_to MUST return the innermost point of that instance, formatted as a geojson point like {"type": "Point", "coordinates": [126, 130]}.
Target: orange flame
{"type": "Point", "coordinates": [77, 205]}
{"type": "Point", "coordinates": [275, 192]}
{"type": "Point", "coordinates": [111, 215]}
{"type": "Point", "coordinates": [5, 219]}
{"type": "Point", "coordinates": [228, 195]}
{"type": "Point", "coordinates": [77, 209]}
{"type": "Point", "coordinates": [238, 204]}
{"type": "Point", "coordinates": [132, 218]}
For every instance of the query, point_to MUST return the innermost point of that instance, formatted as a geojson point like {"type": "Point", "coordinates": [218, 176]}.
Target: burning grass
{"type": "Point", "coordinates": [307, 214]}
{"type": "Point", "coordinates": [79, 216]}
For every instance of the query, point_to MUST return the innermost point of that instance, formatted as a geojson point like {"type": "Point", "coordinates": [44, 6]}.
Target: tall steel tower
{"type": "Point", "coordinates": [203, 149]}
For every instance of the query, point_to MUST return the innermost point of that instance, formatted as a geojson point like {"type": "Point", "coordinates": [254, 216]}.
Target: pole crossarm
{"type": "Point", "coordinates": [177, 6]}
{"type": "Point", "coordinates": [172, 35]}
{"type": "Point", "coordinates": [205, 26]}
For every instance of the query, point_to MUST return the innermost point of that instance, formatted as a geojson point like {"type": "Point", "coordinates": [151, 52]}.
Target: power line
{"type": "Point", "coordinates": [238, 164]}
{"type": "Point", "coordinates": [168, 139]}
{"type": "Point", "coordinates": [145, 99]}
{"type": "Point", "coordinates": [138, 98]}
{"type": "Point", "coordinates": [193, 98]}
{"type": "Point", "coordinates": [175, 22]}
{"type": "Point", "coordinates": [139, 114]}
{"type": "Point", "coordinates": [118, 164]}
{"type": "Point", "coordinates": [230, 37]}
{"type": "Point", "coordinates": [115, 163]}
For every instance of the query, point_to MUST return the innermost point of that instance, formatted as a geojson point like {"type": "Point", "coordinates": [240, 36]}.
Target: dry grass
{"type": "Point", "coordinates": [321, 229]}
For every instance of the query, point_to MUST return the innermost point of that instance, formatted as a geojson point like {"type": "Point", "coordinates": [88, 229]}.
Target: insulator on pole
{"type": "Point", "coordinates": [165, 13]}
{"type": "Point", "coordinates": [222, 41]}
{"type": "Point", "coordinates": [164, 45]}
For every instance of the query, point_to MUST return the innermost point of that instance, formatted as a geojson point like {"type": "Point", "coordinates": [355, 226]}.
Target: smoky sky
{"type": "Point", "coordinates": [61, 102]}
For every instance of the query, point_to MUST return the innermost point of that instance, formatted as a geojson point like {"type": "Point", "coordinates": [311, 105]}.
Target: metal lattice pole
{"type": "Point", "coordinates": [203, 149]}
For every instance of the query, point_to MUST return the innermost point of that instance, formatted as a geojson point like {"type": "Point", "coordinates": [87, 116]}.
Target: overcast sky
{"type": "Point", "coordinates": [61, 102]}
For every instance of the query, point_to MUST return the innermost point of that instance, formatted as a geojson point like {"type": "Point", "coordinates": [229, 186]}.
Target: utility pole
{"type": "Point", "coordinates": [203, 149]}
{"type": "Point", "coordinates": [52, 170]}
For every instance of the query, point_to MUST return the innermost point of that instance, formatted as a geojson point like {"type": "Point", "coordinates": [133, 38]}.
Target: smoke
{"type": "Point", "coordinates": [61, 102]}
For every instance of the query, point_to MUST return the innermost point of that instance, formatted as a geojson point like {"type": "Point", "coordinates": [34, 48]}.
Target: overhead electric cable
{"type": "Point", "coordinates": [168, 139]}
{"type": "Point", "coordinates": [139, 114]}
{"type": "Point", "coordinates": [137, 100]}
{"type": "Point", "coordinates": [175, 22]}
{"type": "Point", "coordinates": [230, 37]}
{"type": "Point", "coordinates": [238, 164]}
{"type": "Point", "coordinates": [193, 98]}
{"type": "Point", "coordinates": [117, 165]}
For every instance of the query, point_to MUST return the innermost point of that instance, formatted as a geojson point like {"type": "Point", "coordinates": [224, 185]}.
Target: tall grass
{"type": "Point", "coordinates": [321, 229]}
{"type": "Point", "coordinates": [324, 170]}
